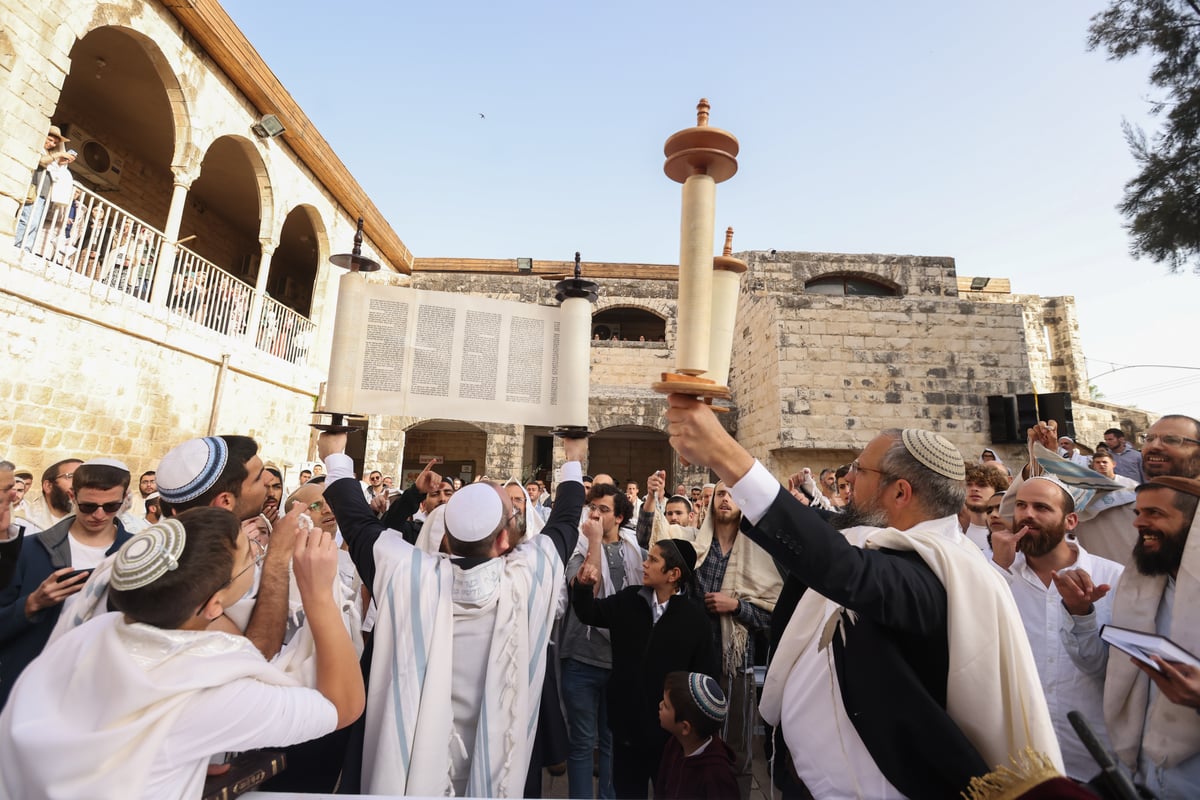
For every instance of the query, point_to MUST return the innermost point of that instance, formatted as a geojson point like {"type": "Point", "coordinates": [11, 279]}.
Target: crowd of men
{"type": "Point", "coordinates": [929, 623]}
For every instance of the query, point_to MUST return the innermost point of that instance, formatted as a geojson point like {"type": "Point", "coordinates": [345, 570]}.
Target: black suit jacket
{"type": "Point", "coordinates": [893, 665]}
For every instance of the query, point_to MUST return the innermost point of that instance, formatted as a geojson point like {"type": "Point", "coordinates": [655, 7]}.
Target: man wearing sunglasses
{"type": "Point", "coordinates": [55, 564]}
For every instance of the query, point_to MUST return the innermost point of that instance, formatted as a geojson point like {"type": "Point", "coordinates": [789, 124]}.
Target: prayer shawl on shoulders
{"type": "Point", "coordinates": [409, 726]}
{"type": "Point", "coordinates": [993, 692]}
{"type": "Point", "coordinates": [1169, 733]}
{"type": "Point", "coordinates": [150, 676]}
{"type": "Point", "coordinates": [750, 575]}
{"type": "Point", "coordinates": [297, 657]}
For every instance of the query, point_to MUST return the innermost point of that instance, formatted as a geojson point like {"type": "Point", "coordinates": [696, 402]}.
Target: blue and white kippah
{"type": "Point", "coordinates": [190, 469]}
{"type": "Point", "coordinates": [148, 555]}
{"type": "Point", "coordinates": [707, 694]}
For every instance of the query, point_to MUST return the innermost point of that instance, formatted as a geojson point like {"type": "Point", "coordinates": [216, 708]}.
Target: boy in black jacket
{"type": "Point", "coordinates": [655, 629]}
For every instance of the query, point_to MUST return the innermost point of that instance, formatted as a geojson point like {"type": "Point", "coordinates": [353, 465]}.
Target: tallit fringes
{"type": "Point", "coordinates": [1028, 769]}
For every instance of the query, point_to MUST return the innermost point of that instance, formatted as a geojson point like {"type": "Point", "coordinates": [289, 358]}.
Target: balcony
{"type": "Point", "coordinates": [96, 248]}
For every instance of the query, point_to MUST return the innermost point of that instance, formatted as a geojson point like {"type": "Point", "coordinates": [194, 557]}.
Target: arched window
{"type": "Point", "coordinates": [628, 325]}
{"type": "Point", "coordinates": [849, 286]}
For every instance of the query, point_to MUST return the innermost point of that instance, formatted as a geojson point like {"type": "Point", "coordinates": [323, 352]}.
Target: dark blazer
{"type": "Point", "coordinates": [10, 550]}
{"type": "Point", "coordinates": [643, 653]}
{"type": "Point", "coordinates": [399, 514]}
{"type": "Point", "coordinates": [893, 666]}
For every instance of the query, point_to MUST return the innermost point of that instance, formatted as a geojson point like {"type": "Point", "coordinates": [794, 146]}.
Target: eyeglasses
{"type": "Point", "coordinates": [260, 552]}
{"type": "Point", "coordinates": [67, 476]}
{"type": "Point", "coordinates": [856, 467]}
{"type": "Point", "coordinates": [317, 505]}
{"type": "Point", "coordinates": [599, 509]}
{"type": "Point", "coordinates": [1169, 439]}
{"type": "Point", "coordinates": [91, 508]}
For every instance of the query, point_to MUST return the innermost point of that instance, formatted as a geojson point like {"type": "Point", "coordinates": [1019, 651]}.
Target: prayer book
{"type": "Point", "coordinates": [1142, 645]}
{"type": "Point", "coordinates": [248, 770]}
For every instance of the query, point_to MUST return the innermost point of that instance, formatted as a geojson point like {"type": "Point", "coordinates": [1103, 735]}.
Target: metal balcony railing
{"type": "Point", "coordinates": [100, 241]}
{"type": "Point", "coordinates": [284, 333]}
{"type": "Point", "coordinates": [95, 238]}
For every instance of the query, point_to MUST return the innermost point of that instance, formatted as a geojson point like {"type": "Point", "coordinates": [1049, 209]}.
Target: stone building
{"type": "Point", "coordinates": [187, 290]}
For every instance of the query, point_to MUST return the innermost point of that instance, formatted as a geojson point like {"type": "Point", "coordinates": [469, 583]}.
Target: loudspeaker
{"type": "Point", "coordinates": [1002, 418]}
{"type": "Point", "coordinates": [1011, 416]}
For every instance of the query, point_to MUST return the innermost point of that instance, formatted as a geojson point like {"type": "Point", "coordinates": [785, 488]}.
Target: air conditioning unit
{"type": "Point", "coordinates": [94, 162]}
{"type": "Point", "coordinates": [606, 330]}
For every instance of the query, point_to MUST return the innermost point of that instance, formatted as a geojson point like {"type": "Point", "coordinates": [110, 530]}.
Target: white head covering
{"type": "Point", "coordinates": [190, 469]}
{"type": "Point", "coordinates": [474, 512]}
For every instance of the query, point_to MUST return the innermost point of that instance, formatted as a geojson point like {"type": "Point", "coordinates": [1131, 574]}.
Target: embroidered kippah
{"type": "Point", "coordinates": [707, 694]}
{"type": "Point", "coordinates": [474, 512]}
{"type": "Point", "coordinates": [934, 451]}
{"type": "Point", "coordinates": [190, 469]}
{"type": "Point", "coordinates": [148, 555]}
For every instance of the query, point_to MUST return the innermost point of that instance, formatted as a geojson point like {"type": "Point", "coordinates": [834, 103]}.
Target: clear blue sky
{"type": "Point", "coordinates": [983, 132]}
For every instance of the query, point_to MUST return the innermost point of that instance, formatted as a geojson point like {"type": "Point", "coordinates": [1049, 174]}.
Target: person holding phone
{"type": "Point", "coordinates": [56, 563]}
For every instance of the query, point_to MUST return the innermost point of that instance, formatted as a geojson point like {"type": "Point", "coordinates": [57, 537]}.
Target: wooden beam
{"type": "Point", "coordinates": [548, 269]}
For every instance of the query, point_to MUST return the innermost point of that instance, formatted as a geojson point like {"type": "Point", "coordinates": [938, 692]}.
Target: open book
{"type": "Point", "coordinates": [1142, 645]}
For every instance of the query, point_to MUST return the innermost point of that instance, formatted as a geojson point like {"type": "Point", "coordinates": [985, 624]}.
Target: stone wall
{"type": "Point", "coordinates": [91, 372]}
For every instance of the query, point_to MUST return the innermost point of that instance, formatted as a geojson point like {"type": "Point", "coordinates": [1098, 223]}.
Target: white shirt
{"type": "Point", "coordinates": [85, 556]}
{"type": "Point", "coordinates": [979, 535]}
{"type": "Point", "coordinates": [1067, 688]}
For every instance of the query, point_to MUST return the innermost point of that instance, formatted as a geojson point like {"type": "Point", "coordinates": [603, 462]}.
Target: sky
{"type": "Point", "coordinates": [983, 132]}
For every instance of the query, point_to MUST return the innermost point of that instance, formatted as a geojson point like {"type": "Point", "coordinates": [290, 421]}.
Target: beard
{"type": "Point", "coordinates": [853, 516]}
{"type": "Point", "coordinates": [59, 499]}
{"type": "Point", "coordinates": [726, 517]}
{"type": "Point", "coordinates": [1039, 543]}
{"type": "Point", "coordinates": [1165, 560]}
{"type": "Point", "coordinates": [976, 508]}
{"type": "Point", "coordinates": [1183, 467]}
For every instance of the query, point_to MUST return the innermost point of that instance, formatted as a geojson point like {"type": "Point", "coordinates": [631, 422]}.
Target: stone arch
{"type": "Point", "coordinates": [117, 17]}
{"type": "Point", "coordinates": [123, 106]}
{"type": "Point", "coordinates": [631, 452]}
{"type": "Point", "coordinates": [299, 259]}
{"type": "Point", "coordinates": [885, 286]}
{"type": "Point", "coordinates": [891, 283]}
{"type": "Point", "coordinates": [230, 207]}
{"type": "Point", "coordinates": [630, 321]}
{"type": "Point", "coordinates": [460, 444]}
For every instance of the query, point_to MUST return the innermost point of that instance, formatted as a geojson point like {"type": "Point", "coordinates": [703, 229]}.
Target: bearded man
{"type": "Point", "coordinates": [1154, 730]}
{"type": "Point", "coordinates": [1029, 556]}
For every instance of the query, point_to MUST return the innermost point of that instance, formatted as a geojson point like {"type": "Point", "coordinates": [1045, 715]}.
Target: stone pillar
{"type": "Point", "coordinates": [161, 289]}
{"type": "Point", "coordinates": [505, 451]}
{"type": "Point", "coordinates": [260, 289]}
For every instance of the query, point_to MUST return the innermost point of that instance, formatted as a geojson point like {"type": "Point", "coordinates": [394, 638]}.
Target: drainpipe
{"type": "Point", "coordinates": [217, 391]}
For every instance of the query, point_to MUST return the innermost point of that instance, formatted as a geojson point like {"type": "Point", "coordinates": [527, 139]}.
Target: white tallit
{"type": "Point", "coordinates": [149, 676]}
{"type": "Point", "coordinates": [1167, 732]}
{"type": "Point", "coordinates": [993, 692]}
{"type": "Point", "coordinates": [410, 729]}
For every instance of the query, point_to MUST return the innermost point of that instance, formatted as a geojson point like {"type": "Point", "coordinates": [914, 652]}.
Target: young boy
{"type": "Point", "coordinates": [133, 703]}
{"type": "Point", "coordinates": [655, 629]}
{"type": "Point", "coordinates": [696, 764]}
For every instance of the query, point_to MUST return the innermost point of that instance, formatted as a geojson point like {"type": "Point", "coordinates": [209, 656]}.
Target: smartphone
{"type": "Point", "coordinates": [70, 575]}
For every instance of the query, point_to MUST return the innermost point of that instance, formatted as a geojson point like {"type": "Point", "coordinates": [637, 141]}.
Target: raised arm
{"type": "Point", "coordinates": [899, 592]}
{"type": "Point", "coordinates": [563, 525]}
{"type": "Point", "coordinates": [360, 528]}
{"type": "Point", "coordinates": [339, 677]}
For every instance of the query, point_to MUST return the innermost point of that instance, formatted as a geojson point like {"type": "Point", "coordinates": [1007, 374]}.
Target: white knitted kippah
{"type": "Point", "coordinates": [935, 452]}
{"type": "Point", "coordinates": [707, 695]}
{"type": "Point", "coordinates": [148, 555]}
{"type": "Point", "coordinates": [190, 469]}
{"type": "Point", "coordinates": [474, 512]}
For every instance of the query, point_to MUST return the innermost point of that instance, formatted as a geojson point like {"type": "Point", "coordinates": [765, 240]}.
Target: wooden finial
{"type": "Point", "coordinates": [702, 112]}
{"type": "Point", "coordinates": [358, 238]}
{"type": "Point", "coordinates": [728, 242]}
